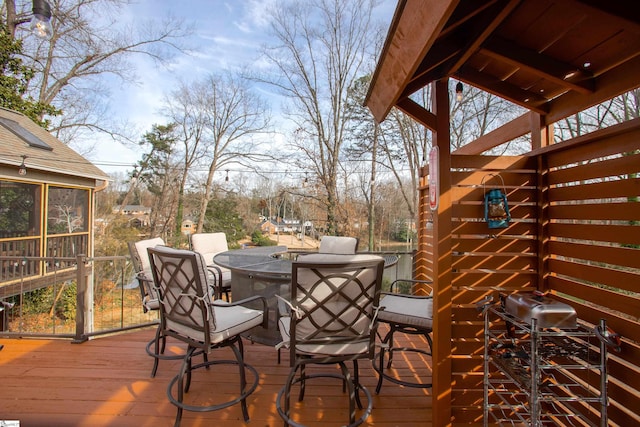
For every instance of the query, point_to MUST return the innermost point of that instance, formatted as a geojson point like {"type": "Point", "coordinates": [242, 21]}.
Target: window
{"type": "Point", "coordinates": [19, 209]}
{"type": "Point", "coordinates": [67, 211]}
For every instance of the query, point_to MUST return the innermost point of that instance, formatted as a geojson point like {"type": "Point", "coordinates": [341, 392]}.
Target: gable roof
{"type": "Point", "coordinates": [44, 152]}
{"type": "Point", "coordinates": [553, 57]}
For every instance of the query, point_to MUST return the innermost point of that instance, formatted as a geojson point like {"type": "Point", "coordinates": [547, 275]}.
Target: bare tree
{"type": "Point", "coordinates": [90, 43]}
{"type": "Point", "coordinates": [218, 119]}
{"type": "Point", "coordinates": [320, 51]}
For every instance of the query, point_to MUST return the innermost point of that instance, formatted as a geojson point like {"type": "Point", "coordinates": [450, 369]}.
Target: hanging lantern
{"type": "Point", "coordinates": [496, 207]}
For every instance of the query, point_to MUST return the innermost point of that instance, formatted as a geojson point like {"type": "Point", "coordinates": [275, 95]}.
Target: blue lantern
{"type": "Point", "coordinates": [496, 208]}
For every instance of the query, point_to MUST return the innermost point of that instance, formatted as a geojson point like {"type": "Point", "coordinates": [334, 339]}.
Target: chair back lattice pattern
{"type": "Point", "coordinates": [181, 277]}
{"type": "Point", "coordinates": [334, 305]}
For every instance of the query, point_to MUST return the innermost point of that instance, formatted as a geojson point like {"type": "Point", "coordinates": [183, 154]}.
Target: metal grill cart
{"type": "Point", "coordinates": [541, 366]}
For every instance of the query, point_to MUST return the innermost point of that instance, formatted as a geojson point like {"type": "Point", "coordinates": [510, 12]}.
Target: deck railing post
{"type": "Point", "coordinates": [82, 308]}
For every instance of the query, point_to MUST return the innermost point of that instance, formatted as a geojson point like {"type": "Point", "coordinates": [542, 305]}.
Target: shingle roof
{"type": "Point", "coordinates": [60, 159]}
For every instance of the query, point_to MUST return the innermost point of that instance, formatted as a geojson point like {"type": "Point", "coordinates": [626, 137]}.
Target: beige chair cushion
{"type": "Point", "coordinates": [284, 325]}
{"type": "Point", "coordinates": [230, 321]}
{"type": "Point", "coordinates": [407, 310]}
{"type": "Point", "coordinates": [329, 258]}
{"type": "Point", "coordinates": [338, 245]}
{"type": "Point", "coordinates": [150, 302]}
{"type": "Point", "coordinates": [141, 248]}
{"type": "Point", "coordinates": [210, 245]}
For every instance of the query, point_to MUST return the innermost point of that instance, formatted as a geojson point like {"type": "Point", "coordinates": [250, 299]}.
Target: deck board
{"type": "Point", "coordinates": [106, 382]}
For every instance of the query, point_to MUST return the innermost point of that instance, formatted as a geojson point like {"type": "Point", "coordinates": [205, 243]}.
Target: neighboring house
{"type": "Point", "coordinates": [280, 226]}
{"type": "Point", "coordinates": [285, 226]}
{"type": "Point", "coordinates": [47, 194]}
{"type": "Point", "coordinates": [138, 215]}
{"type": "Point", "coordinates": [269, 226]}
{"type": "Point", "coordinates": [188, 227]}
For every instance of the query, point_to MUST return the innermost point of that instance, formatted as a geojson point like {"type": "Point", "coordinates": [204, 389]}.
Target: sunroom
{"type": "Point", "coordinates": [47, 194]}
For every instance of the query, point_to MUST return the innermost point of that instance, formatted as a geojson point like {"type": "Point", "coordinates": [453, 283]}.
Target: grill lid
{"type": "Point", "coordinates": [548, 312]}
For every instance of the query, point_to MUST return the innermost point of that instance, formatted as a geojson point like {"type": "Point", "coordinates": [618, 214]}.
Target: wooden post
{"type": "Point", "coordinates": [442, 310]}
{"type": "Point", "coordinates": [82, 310]}
{"type": "Point", "coordinates": [541, 134]}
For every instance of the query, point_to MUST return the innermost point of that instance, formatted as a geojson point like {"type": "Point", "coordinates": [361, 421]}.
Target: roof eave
{"type": "Point", "coordinates": [414, 29]}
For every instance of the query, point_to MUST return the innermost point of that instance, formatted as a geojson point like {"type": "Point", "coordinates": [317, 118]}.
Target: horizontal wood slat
{"type": "Point", "coordinates": [473, 194]}
{"type": "Point", "coordinates": [599, 169]}
{"type": "Point", "coordinates": [468, 380]}
{"type": "Point", "coordinates": [595, 274]}
{"type": "Point", "coordinates": [617, 301]}
{"type": "Point", "coordinates": [474, 295]}
{"type": "Point", "coordinates": [493, 278]}
{"type": "Point", "coordinates": [494, 262]}
{"type": "Point", "coordinates": [499, 245]}
{"type": "Point", "coordinates": [626, 257]}
{"type": "Point", "coordinates": [620, 234]}
{"type": "Point", "coordinates": [487, 180]}
{"type": "Point", "coordinates": [597, 212]}
{"type": "Point", "coordinates": [515, 229]}
{"type": "Point", "coordinates": [610, 189]}
{"type": "Point", "coordinates": [467, 312]}
{"type": "Point", "coordinates": [602, 147]}
{"type": "Point", "coordinates": [476, 210]}
{"type": "Point", "coordinates": [494, 163]}
{"type": "Point", "coordinates": [467, 346]}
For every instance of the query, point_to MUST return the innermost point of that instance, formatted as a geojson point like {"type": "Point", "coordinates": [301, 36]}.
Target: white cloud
{"type": "Point", "coordinates": [228, 35]}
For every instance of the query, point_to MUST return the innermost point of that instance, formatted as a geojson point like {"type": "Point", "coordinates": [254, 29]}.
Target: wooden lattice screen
{"type": "Point", "coordinates": [575, 232]}
{"type": "Point", "coordinates": [592, 254]}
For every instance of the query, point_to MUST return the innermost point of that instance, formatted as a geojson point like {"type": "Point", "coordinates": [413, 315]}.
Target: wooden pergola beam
{"type": "Point", "coordinates": [418, 113]}
{"type": "Point", "coordinates": [540, 65]}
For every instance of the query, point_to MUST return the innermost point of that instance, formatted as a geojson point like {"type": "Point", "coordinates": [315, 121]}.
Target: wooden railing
{"type": "Point", "coordinates": [78, 298]}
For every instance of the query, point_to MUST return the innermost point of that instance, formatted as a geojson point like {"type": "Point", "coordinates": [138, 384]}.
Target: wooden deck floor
{"type": "Point", "coordinates": [106, 382]}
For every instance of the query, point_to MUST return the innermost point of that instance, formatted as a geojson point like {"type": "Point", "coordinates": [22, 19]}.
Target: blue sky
{"type": "Point", "coordinates": [227, 36]}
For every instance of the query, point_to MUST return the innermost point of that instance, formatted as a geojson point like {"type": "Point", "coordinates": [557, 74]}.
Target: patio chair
{"type": "Point", "coordinates": [334, 299]}
{"type": "Point", "coordinates": [149, 295]}
{"type": "Point", "coordinates": [338, 245]}
{"type": "Point", "coordinates": [209, 245]}
{"type": "Point", "coordinates": [191, 316]}
{"type": "Point", "coordinates": [405, 313]}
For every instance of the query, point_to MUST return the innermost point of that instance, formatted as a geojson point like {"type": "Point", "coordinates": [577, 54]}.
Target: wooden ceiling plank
{"type": "Point", "coordinates": [620, 9]}
{"type": "Point", "coordinates": [617, 81]}
{"type": "Point", "coordinates": [539, 64]}
{"type": "Point", "coordinates": [487, 29]}
{"type": "Point", "coordinates": [468, 11]}
{"type": "Point", "coordinates": [531, 101]}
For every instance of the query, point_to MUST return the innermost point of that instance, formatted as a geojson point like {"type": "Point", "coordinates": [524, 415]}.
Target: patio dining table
{"type": "Point", "coordinates": [258, 271]}
{"type": "Point", "coordinates": [264, 271]}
